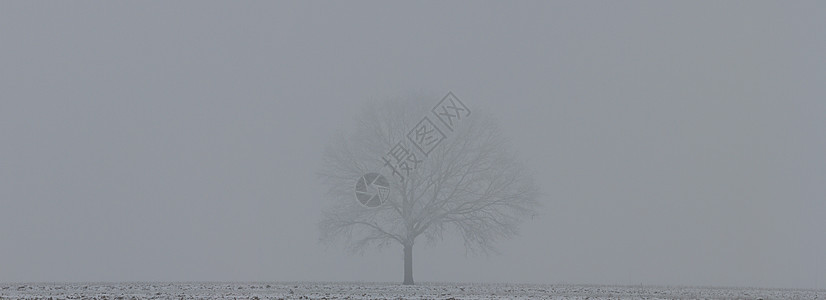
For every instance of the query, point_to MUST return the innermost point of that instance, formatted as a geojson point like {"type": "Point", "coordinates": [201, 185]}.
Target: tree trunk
{"type": "Point", "coordinates": [408, 265]}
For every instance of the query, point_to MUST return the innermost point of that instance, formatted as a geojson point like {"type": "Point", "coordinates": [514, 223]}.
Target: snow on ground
{"type": "Point", "coordinates": [307, 290]}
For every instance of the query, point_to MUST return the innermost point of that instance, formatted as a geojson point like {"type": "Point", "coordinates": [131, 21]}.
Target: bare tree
{"type": "Point", "coordinates": [468, 185]}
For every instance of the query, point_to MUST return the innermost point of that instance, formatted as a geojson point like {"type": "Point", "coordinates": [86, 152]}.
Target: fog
{"type": "Point", "coordinates": [677, 143]}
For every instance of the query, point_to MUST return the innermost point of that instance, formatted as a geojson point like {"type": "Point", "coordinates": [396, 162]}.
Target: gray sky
{"type": "Point", "coordinates": [675, 142]}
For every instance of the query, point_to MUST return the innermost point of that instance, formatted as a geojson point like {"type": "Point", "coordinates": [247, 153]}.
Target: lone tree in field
{"type": "Point", "coordinates": [467, 185]}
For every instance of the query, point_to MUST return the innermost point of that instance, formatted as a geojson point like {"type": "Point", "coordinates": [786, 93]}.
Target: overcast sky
{"type": "Point", "coordinates": [675, 142]}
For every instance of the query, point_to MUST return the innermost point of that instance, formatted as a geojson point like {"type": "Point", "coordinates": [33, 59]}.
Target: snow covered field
{"type": "Point", "coordinates": [305, 290]}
